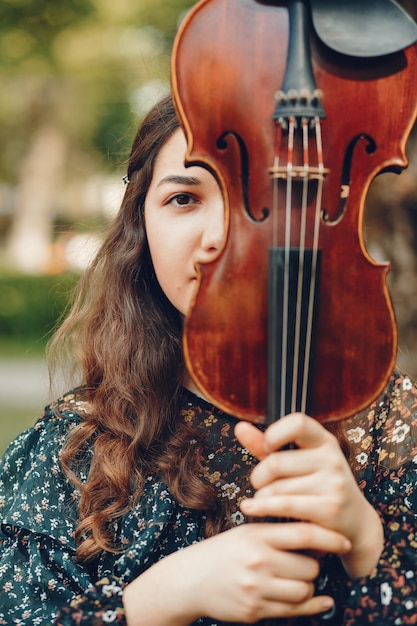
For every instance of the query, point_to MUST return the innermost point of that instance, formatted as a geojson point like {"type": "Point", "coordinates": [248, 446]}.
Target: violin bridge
{"type": "Point", "coordinates": [298, 172]}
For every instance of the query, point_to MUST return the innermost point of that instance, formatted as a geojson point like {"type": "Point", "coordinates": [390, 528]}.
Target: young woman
{"type": "Point", "coordinates": [126, 502]}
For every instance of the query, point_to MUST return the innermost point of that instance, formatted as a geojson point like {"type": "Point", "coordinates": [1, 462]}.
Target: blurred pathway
{"type": "Point", "coordinates": [23, 381]}
{"type": "Point", "coordinates": [23, 394]}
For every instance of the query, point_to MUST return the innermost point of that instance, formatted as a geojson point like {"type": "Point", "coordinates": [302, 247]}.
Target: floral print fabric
{"type": "Point", "coordinates": [41, 582]}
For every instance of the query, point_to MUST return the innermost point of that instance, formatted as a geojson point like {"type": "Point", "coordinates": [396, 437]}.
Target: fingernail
{"type": "Point", "coordinates": [327, 604]}
{"type": "Point", "coordinates": [247, 504]}
{"type": "Point", "coordinates": [328, 610]}
{"type": "Point", "coordinates": [347, 545]}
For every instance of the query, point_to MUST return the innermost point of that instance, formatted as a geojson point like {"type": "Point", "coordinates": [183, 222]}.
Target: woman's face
{"type": "Point", "coordinates": [184, 220]}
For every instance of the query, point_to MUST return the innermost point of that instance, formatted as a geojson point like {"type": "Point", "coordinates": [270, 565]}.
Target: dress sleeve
{"type": "Point", "coordinates": [38, 571]}
{"type": "Point", "coordinates": [41, 581]}
{"type": "Point", "coordinates": [101, 604]}
{"type": "Point", "coordinates": [384, 442]}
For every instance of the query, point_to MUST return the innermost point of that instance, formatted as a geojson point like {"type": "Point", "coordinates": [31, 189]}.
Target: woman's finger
{"type": "Point", "coordinates": [313, 606]}
{"type": "Point", "coordinates": [251, 438]}
{"type": "Point", "coordinates": [286, 464]}
{"type": "Point", "coordinates": [291, 591]}
{"type": "Point", "coordinates": [308, 508]}
{"type": "Point", "coordinates": [298, 429]}
{"type": "Point", "coordinates": [293, 565]}
{"type": "Point", "coordinates": [299, 536]}
{"type": "Point", "coordinates": [327, 466]}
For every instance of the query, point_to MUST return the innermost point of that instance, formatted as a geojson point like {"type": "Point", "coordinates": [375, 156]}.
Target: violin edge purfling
{"type": "Point", "coordinates": [226, 70]}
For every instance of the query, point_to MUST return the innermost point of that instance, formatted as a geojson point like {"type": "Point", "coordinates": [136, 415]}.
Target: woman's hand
{"type": "Point", "coordinates": [265, 570]}
{"type": "Point", "coordinates": [251, 572]}
{"type": "Point", "coordinates": [313, 483]}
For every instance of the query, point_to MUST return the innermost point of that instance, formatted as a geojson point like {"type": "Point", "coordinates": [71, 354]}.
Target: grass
{"type": "Point", "coordinates": [14, 419]}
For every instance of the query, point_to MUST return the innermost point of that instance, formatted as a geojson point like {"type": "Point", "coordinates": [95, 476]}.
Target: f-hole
{"type": "Point", "coordinates": [223, 144]}
{"type": "Point", "coordinates": [370, 148]}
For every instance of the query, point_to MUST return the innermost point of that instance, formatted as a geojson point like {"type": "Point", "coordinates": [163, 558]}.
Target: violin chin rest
{"type": "Point", "coordinates": [361, 29]}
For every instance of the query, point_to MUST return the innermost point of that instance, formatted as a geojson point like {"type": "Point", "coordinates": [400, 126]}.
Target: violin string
{"type": "Point", "coordinates": [274, 286]}
{"type": "Point", "coordinates": [301, 255]}
{"type": "Point", "coordinates": [275, 188]}
{"type": "Point", "coordinates": [318, 209]}
{"type": "Point", "coordinates": [290, 155]}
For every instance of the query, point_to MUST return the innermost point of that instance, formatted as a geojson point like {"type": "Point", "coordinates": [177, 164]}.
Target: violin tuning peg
{"type": "Point", "coordinates": [305, 94]}
{"type": "Point", "coordinates": [317, 95]}
{"type": "Point", "coordinates": [280, 96]}
{"type": "Point", "coordinates": [292, 95]}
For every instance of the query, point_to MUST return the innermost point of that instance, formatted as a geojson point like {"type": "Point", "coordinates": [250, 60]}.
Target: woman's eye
{"type": "Point", "coordinates": [182, 199]}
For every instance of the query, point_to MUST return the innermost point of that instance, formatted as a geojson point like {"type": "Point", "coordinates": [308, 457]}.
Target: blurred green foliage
{"type": "Point", "coordinates": [78, 65]}
{"type": "Point", "coordinates": [28, 26]}
{"type": "Point", "coordinates": [29, 309]}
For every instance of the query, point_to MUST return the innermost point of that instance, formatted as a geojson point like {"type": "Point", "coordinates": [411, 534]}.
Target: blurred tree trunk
{"type": "Point", "coordinates": [391, 235]}
{"type": "Point", "coordinates": [36, 197]}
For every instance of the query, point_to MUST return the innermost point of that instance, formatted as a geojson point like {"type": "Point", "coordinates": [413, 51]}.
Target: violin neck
{"type": "Point", "coordinates": [293, 284]}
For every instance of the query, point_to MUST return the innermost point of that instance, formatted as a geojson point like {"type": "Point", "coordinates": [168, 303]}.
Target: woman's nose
{"type": "Point", "coordinates": [213, 232]}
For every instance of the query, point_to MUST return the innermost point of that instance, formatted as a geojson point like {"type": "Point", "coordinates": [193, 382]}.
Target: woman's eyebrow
{"type": "Point", "coordinates": [179, 180]}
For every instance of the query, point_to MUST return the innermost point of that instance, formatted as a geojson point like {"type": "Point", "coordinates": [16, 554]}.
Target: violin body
{"type": "Point", "coordinates": [229, 61]}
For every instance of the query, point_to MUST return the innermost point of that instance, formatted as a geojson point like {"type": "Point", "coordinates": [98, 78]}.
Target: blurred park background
{"type": "Point", "coordinates": [76, 78]}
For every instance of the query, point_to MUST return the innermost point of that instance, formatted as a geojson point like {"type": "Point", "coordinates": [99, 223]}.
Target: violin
{"type": "Point", "coordinates": [294, 106]}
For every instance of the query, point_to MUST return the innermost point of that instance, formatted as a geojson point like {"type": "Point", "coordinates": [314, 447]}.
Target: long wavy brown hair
{"type": "Point", "coordinates": [124, 337]}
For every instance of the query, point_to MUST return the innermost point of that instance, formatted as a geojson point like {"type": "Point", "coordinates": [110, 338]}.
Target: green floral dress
{"type": "Point", "coordinates": [41, 582]}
